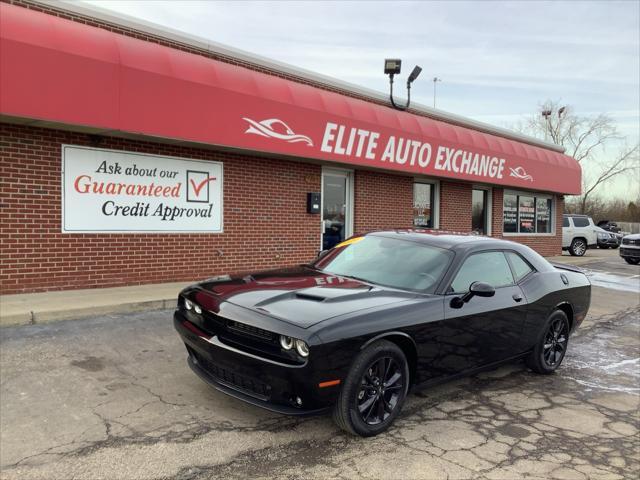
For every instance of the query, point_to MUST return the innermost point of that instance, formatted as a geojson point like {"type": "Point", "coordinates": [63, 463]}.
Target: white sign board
{"type": "Point", "coordinates": [115, 191]}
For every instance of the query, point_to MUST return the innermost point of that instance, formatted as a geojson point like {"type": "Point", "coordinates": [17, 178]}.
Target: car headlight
{"type": "Point", "coordinates": [189, 305]}
{"type": "Point", "coordinates": [286, 342]}
{"type": "Point", "coordinates": [602, 235]}
{"type": "Point", "coordinates": [302, 348]}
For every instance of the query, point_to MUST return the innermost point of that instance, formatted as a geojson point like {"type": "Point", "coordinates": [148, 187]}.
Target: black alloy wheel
{"type": "Point", "coordinates": [381, 387]}
{"type": "Point", "coordinates": [555, 342]}
{"type": "Point", "coordinates": [550, 350]}
{"type": "Point", "coordinates": [374, 391]}
{"type": "Point", "coordinates": [578, 247]}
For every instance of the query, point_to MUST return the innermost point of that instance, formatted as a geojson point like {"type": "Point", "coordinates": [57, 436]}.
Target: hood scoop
{"type": "Point", "coordinates": [307, 296]}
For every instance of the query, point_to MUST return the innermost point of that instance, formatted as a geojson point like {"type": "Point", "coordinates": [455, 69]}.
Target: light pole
{"type": "Point", "coordinates": [435, 80]}
{"type": "Point", "coordinates": [546, 114]}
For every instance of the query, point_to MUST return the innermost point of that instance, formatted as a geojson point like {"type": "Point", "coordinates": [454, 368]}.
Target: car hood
{"type": "Point", "coordinates": [301, 296]}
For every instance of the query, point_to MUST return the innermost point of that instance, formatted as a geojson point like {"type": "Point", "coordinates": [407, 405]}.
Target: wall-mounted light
{"type": "Point", "coordinates": [392, 67]}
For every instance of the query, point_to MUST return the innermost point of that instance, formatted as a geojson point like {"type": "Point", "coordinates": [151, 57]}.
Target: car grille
{"type": "Point", "coordinates": [630, 252]}
{"type": "Point", "coordinates": [241, 329]}
{"type": "Point", "coordinates": [247, 385]}
{"type": "Point", "coordinates": [244, 329]}
{"type": "Point", "coordinates": [628, 241]}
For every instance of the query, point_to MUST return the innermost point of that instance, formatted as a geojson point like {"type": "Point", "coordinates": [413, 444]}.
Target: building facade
{"type": "Point", "coordinates": [133, 155]}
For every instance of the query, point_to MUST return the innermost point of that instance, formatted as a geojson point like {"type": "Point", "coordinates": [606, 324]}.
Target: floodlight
{"type": "Point", "coordinates": [392, 66]}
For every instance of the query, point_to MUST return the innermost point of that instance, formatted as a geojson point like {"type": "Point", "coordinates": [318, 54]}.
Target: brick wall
{"type": "Point", "coordinates": [265, 220]}
{"type": "Point", "coordinates": [382, 201]}
{"type": "Point", "coordinates": [455, 206]}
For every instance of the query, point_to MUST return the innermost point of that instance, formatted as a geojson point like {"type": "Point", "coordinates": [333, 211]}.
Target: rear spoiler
{"type": "Point", "coordinates": [564, 266]}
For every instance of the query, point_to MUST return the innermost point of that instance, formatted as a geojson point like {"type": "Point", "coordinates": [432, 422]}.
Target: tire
{"type": "Point", "coordinates": [549, 351]}
{"type": "Point", "coordinates": [604, 247]}
{"type": "Point", "coordinates": [615, 246]}
{"type": "Point", "coordinates": [632, 260]}
{"type": "Point", "coordinates": [578, 247]}
{"type": "Point", "coordinates": [363, 392]}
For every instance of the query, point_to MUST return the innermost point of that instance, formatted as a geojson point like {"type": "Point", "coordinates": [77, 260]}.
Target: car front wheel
{"type": "Point", "coordinates": [374, 390]}
{"type": "Point", "coordinates": [632, 261]}
{"type": "Point", "coordinates": [548, 353]}
{"type": "Point", "coordinates": [578, 247]}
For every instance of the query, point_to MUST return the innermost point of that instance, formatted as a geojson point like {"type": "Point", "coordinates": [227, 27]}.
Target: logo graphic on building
{"type": "Point", "coordinates": [520, 173]}
{"type": "Point", "coordinates": [276, 128]}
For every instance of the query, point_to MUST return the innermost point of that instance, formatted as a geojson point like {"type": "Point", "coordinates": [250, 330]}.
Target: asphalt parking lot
{"type": "Point", "coordinates": [112, 397]}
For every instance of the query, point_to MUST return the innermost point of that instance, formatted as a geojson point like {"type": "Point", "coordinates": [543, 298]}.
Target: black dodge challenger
{"type": "Point", "coordinates": [377, 315]}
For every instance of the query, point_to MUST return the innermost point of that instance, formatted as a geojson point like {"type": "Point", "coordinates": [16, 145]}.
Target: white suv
{"type": "Point", "coordinates": [578, 233]}
{"type": "Point", "coordinates": [630, 249]}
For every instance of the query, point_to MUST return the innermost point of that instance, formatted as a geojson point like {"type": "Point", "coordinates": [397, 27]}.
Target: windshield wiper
{"type": "Point", "coordinates": [352, 277]}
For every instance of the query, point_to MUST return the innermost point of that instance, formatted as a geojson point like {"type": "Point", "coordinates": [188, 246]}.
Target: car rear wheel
{"type": "Point", "coordinates": [578, 247]}
{"type": "Point", "coordinates": [551, 348]}
{"type": "Point", "coordinates": [632, 261]}
{"type": "Point", "coordinates": [374, 390]}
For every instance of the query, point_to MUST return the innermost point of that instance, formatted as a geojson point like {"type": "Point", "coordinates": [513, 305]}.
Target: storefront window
{"type": "Point", "coordinates": [527, 214]}
{"type": "Point", "coordinates": [510, 213]}
{"type": "Point", "coordinates": [543, 215]}
{"type": "Point", "coordinates": [423, 202]}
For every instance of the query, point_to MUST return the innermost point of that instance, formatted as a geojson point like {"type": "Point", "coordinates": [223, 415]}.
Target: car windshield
{"type": "Point", "coordinates": [387, 261]}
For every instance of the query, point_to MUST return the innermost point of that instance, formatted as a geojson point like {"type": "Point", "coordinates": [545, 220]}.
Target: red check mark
{"type": "Point", "coordinates": [198, 187]}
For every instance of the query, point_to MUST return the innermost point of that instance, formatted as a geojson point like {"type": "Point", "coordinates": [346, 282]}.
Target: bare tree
{"type": "Point", "coordinates": [586, 139]}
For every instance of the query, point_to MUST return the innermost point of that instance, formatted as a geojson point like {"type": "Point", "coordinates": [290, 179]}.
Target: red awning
{"type": "Point", "coordinates": [62, 71]}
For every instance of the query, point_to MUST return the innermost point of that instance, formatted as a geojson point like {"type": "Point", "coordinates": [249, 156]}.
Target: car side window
{"type": "Point", "coordinates": [520, 266]}
{"type": "Point", "coordinates": [565, 222]}
{"type": "Point", "coordinates": [488, 267]}
{"type": "Point", "coordinates": [580, 222]}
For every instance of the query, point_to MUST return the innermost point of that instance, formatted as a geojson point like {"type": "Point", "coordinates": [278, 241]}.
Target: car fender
{"type": "Point", "coordinates": [389, 334]}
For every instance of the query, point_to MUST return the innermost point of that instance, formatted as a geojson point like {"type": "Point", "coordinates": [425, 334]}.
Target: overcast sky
{"type": "Point", "coordinates": [497, 60]}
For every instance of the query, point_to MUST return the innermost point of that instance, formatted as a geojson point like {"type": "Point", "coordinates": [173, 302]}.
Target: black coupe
{"type": "Point", "coordinates": [375, 316]}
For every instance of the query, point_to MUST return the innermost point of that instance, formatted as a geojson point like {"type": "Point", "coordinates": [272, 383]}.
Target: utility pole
{"type": "Point", "coordinates": [435, 80]}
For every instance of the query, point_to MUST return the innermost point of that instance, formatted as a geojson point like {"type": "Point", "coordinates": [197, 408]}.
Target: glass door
{"type": "Point", "coordinates": [336, 207]}
{"type": "Point", "coordinates": [479, 211]}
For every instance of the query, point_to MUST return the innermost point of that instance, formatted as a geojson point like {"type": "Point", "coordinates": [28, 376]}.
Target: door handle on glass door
{"type": "Point", "coordinates": [517, 297]}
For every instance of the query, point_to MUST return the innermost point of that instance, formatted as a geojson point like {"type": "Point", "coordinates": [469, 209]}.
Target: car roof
{"type": "Point", "coordinates": [446, 239]}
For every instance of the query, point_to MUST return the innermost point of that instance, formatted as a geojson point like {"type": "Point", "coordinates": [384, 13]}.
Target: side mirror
{"type": "Point", "coordinates": [322, 253]}
{"type": "Point", "coordinates": [476, 289]}
{"type": "Point", "coordinates": [481, 289]}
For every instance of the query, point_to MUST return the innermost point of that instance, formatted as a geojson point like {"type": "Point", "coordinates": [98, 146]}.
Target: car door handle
{"type": "Point", "coordinates": [517, 297]}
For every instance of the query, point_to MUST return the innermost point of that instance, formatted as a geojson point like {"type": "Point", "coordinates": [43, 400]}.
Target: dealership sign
{"type": "Point", "coordinates": [116, 191]}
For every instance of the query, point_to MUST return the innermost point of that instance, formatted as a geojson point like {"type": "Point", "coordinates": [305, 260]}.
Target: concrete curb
{"type": "Point", "coordinates": [44, 307]}
{"type": "Point", "coordinates": [47, 316]}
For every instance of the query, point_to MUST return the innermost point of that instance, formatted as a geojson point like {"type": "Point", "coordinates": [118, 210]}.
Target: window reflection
{"type": "Point", "coordinates": [423, 205]}
{"type": "Point", "coordinates": [479, 211]}
{"type": "Point", "coordinates": [334, 210]}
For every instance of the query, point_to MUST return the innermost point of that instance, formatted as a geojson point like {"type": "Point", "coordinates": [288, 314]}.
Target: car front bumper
{"type": "Point", "coordinates": [261, 382]}
{"type": "Point", "coordinates": [629, 252]}
{"type": "Point", "coordinates": [608, 242]}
